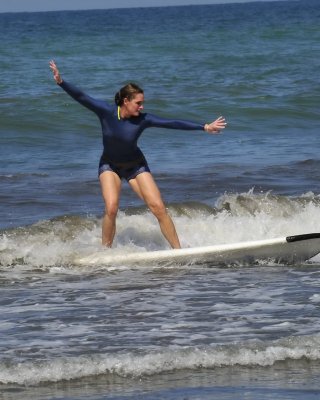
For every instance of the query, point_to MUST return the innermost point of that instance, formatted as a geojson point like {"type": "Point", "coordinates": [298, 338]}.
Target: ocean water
{"type": "Point", "coordinates": [177, 332]}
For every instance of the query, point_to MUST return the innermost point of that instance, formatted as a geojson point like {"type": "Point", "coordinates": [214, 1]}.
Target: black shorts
{"type": "Point", "coordinates": [125, 170]}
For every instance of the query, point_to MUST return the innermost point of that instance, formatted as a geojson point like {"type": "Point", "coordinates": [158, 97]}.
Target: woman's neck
{"type": "Point", "coordinates": [122, 113]}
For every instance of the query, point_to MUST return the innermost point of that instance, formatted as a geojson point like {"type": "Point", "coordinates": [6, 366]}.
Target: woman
{"type": "Point", "coordinates": [122, 125]}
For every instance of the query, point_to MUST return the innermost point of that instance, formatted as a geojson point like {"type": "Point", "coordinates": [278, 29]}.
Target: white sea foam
{"type": "Point", "coordinates": [157, 362]}
{"type": "Point", "coordinates": [237, 218]}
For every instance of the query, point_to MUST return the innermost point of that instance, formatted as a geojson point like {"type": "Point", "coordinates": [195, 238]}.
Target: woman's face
{"type": "Point", "coordinates": [135, 105]}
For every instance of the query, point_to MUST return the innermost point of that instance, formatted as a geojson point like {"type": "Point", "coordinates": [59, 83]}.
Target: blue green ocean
{"type": "Point", "coordinates": [179, 332]}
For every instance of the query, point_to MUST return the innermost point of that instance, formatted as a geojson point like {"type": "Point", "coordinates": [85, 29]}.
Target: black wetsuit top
{"type": "Point", "coordinates": [120, 136]}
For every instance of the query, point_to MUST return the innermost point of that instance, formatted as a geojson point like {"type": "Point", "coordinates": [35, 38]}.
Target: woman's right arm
{"type": "Point", "coordinates": [76, 93]}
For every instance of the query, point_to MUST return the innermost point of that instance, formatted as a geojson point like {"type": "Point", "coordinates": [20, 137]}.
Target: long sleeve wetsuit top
{"type": "Point", "coordinates": [120, 136]}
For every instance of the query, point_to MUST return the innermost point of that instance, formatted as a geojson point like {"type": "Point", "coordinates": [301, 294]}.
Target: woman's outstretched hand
{"type": "Point", "coordinates": [56, 73]}
{"type": "Point", "coordinates": [216, 126]}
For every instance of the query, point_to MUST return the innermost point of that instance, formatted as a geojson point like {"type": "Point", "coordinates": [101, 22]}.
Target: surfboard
{"type": "Point", "coordinates": [286, 250]}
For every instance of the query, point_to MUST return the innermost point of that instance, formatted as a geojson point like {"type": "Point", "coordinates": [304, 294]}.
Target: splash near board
{"type": "Point", "coordinates": [286, 250]}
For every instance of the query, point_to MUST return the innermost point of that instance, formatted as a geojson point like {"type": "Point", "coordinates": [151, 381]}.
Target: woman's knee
{"type": "Point", "coordinates": [111, 210]}
{"type": "Point", "coordinates": [158, 209]}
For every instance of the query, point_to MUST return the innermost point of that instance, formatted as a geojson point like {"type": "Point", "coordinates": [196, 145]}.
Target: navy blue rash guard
{"type": "Point", "coordinates": [120, 136]}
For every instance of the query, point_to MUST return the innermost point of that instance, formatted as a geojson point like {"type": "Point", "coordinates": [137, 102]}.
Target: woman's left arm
{"type": "Point", "coordinates": [213, 127]}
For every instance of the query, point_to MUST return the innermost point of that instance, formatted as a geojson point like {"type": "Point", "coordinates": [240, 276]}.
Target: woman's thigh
{"type": "Point", "coordinates": [110, 187]}
{"type": "Point", "coordinates": [146, 188]}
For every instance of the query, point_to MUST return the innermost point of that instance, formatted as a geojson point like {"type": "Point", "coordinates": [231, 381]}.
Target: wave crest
{"type": "Point", "coordinates": [234, 218]}
{"type": "Point", "coordinates": [162, 361]}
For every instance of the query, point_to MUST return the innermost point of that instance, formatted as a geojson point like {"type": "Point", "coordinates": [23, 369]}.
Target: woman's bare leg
{"type": "Point", "coordinates": [146, 188]}
{"type": "Point", "coordinates": [110, 187]}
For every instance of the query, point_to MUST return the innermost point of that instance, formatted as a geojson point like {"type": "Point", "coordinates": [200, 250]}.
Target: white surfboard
{"type": "Point", "coordinates": [287, 250]}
